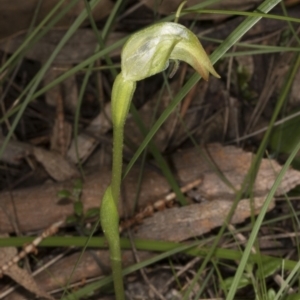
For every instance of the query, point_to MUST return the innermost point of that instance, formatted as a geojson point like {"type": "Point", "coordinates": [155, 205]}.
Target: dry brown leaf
{"type": "Point", "coordinates": [67, 89]}
{"type": "Point", "coordinates": [234, 164]}
{"type": "Point", "coordinates": [174, 224]}
{"type": "Point", "coordinates": [181, 223]}
{"type": "Point", "coordinates": [15, 151]}
{"type": "Point", "coordinates": [61, 136]}
{"type": "Point", "coordinates": [17, 16]}
{"type": "Point", "coordinates": [189, 165]}
{"type": "Point", "coordinates": [88, 141]}
{"type": "Point", "coordinates": [92, 263]}
{"type": "Point", "coordinates": [56, 165]}
{"type": "Point", "coordinates": [50, 210]}
{"type": "Point", "coordinates": [21, 276]}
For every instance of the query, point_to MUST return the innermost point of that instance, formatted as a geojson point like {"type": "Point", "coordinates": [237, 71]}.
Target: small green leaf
{"type": "Point", "coordinates": [292, 297]}
{"type": "Point", "coordinates": [64, 194]}
{"type": "Point", "coordinates": [285, 137]}
{"type": "Point", "coordinates": [267, 269]}
{"type": "Point", "coordinates": [77, 189]}
{"type": "Point", "coordinates": [91, 213]}
{"type": "Point", "coordinates": [244, 281]}
{"type": "Point", "coordinates": [78, 208]}
{"type": "Point", "coordinates": [71, 220]}
{"type": "Point", "coordinates": [271, 294]}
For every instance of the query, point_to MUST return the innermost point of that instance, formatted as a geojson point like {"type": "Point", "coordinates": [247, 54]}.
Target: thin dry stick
{"type": "Point", "coordinates": [60, 123]}
{"type": "Point", "coordinates": [31, 247]}
{"type": "Point", "coordinates": [36, 272]}
{"type": "Point", "coordinates": [182, 271]}
{"type": "Point", "coordinates": [240, 237]}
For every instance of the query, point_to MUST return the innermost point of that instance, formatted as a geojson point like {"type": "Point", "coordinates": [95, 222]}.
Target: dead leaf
{"type": "Point", "coordinates": [88, 140]}
{"type": "Point", "coordinates": [50, 211]}
{"type": "Point", "coordinates": [181, 223]}
{"type": "Point", "coordinates": [56, 165]}
{"type": "Point", "coordinates": [15, 151]}
{"type": "Point", "coordinates": [62, 131]}
{"type": "Point", "coordinates": [58, 275]}
{"type": "Point", "coordinates": [189, 165]}
{"type": "Point", "coordinates": [21, 276]}
{"type": "Point", "coordinates": [67, 89]}
{"type": "Point", "coordinates": [233, 163]}
{"type": "Point", "coordinates": [173, 224]}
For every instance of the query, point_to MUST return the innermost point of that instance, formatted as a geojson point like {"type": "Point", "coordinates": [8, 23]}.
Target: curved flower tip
{"type": "Point", "coordinates": [148, 51]}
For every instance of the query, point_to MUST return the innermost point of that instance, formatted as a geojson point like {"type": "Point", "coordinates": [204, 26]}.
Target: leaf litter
{"type": "Point", "coordinates": [220, 170]}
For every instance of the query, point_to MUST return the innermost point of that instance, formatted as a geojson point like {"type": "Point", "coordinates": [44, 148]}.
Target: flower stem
{"type": "Point", "coordinates": [145, 54]}
{"type": "Point", "coordinates": [121, 98]}
{"type": "Point", "coordinates": [110, 225]}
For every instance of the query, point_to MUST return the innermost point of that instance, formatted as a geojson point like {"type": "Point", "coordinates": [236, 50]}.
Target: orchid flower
{"type": "Point", "coordinates": [145, 53]}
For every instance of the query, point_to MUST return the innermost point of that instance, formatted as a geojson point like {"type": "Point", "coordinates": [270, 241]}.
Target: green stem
{"type": "Point", "coordinates": [121, 98]}
{"type": "Point", "coordinates": [117, 162]}
{"type": "Point", "coordinates": [110, 225]}
{"type": "Point", "coordinates": [145, 54]}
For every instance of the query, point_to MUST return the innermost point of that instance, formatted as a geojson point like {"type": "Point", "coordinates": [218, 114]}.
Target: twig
{"type": "Point", "coordinates": [31, 247]}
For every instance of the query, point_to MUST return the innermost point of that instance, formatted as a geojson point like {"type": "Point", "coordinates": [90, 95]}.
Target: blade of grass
{"type": "Point", "coordinates": [36, 34]}
{"type": "Point", "coordinates": [257, 52]}
{"type": "Point", "coordinates": [38, 78]}
{"type": "Point", "coordinates": [245, 26]}
{"type": "Point", "coordinates": [29, 42]}
{"type": "Point", "coordinates": [91, 59]}
{"type": "Point", "coordinates": [233, 37]}
{"type": "Point", "coordinates": [105, 31]}
{"type": "Point", "coordinates": [96, 285]}
{"type": "Point", "coordinates": [261, 14]}
{"type": "Point", "coordinates": [161, 162]}
{"type": "Point", "coordinates": [87, 75]}
{"type": "Point", "coordinates": [258, 222]}
{"type": "Point", "coordinates": [263, 211]}
{"type": "Point", "coordinates": [285, 284]}
{"type": "Point", "coordinates": [88, 61]}
{"type": "Point", "coordinates": [143, 245]}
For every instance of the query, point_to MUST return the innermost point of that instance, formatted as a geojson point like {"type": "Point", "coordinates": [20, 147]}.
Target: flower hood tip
{"type": "Point", "coordinates": [148, 52]}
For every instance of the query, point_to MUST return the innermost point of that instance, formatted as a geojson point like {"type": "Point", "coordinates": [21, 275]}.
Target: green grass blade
{"type": "Point", "coordinates": [244, 13]}
{"type": "Point", "coordinates": [96, 285]}
{"type": "Point", "coordinates": [231, 40]}
{"type": "Point", "coordinates": [32, 35]}
{"type": "Point", "coordinates": [263, 211]}
{"type": "Point", "coordinates": [161, 162]}
{"type": "Point", "coordinates": [82, 16]}
{"type": "Point", "coordinates": [143, 245]}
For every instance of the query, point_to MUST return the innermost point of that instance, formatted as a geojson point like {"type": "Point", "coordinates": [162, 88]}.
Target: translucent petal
{"type": "Point", "coordinates": [148, 51]}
